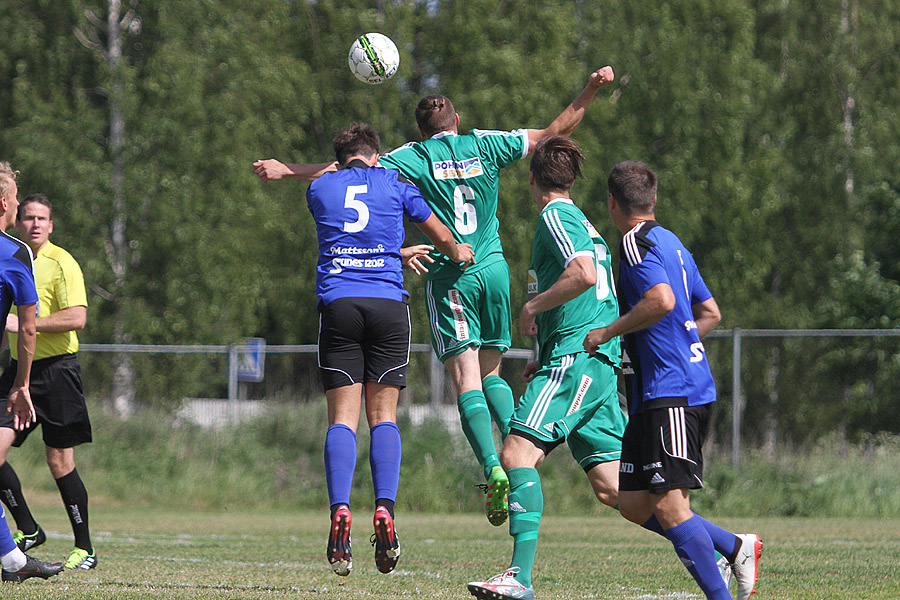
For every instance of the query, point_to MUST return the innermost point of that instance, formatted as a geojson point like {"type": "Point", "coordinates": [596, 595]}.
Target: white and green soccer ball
{"type": "Point", "coordinates": [373, 58]}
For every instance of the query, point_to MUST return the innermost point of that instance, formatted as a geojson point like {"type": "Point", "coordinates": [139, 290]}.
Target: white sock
{"type": "Point", "coordinates": [13, 561]}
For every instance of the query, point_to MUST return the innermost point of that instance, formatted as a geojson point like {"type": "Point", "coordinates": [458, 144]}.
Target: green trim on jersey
{"type": "Point", "coordinates": [563, 234]}
{"type": "Point", "coordinates": [459, 176]}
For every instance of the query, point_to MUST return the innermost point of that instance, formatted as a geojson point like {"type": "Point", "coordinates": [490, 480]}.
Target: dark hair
{"type": "Point", "coordinates": [556, 163]}
{"type": "Point", "coordinates": [435, 114]}
{"type": "Point", "coordinates": [359, 139]}
{"type": "Point", "coordinates": [30, 198]}
{"type": "Point", "coordinates": [633, 185]}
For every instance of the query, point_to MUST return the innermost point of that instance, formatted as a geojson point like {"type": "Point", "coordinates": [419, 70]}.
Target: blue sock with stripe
{"type": "Point", "coordinates": [695, 549]}
{"type": "Point", "coordinates": [526, 505]}
{"type": "Point", "coordinates": [340, 463]}
{"type": "Point", "coordinates": [385, 452]}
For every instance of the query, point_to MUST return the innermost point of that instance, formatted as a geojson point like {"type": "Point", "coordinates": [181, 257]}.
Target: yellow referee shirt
{"type": "Point", "coordinates": [60, 284]}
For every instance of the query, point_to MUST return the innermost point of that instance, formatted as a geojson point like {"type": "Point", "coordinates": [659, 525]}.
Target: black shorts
{"type": "Point", "coordinates": [363, 340]}
{"type": "Point", "coordinates": [662, 449]}
{"type": "Point", "coordinates": [58, 396]}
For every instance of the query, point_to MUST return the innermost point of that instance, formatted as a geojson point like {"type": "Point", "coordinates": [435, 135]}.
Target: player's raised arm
{"type": "Point", "coordinates": [273, 170]}
{"type": "Point", "coordinates": [569, 119]}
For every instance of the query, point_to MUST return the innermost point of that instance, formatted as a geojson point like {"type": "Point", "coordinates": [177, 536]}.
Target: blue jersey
{"type": "Point", "coordinates": [359, 221]}
{"type": "Point", "coordinates": [668, 365]}
{"type": "Point", "coordinates": [16, 275]}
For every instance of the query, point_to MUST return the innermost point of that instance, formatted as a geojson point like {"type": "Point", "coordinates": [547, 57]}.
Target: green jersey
{"type": "Point", "coordinates": [459, 177]}
{"type": "Point", "coordinates": [563, 234]}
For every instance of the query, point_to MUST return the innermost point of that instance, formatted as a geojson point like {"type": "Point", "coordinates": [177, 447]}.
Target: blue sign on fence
{"type": "Point", "coordinates": [251, 360]}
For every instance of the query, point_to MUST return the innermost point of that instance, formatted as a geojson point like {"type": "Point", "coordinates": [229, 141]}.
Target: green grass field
{"type": "Point", "coordinates": [227, 554]}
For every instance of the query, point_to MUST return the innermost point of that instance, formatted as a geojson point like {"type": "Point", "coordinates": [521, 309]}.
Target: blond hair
{"type": "Point", "coordinates": [7, 179]}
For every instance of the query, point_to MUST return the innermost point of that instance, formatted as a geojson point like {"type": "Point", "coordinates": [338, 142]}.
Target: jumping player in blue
{"type": "Point", "coordinates": [669, 385]}
{"type": "Point", "coordinates": [17, 287]}
{"type": "Point", "coordinates": [364, 328]}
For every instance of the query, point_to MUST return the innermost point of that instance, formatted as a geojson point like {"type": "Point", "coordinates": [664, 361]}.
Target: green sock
{"type": "Point", "coordinates": [476, 424]}
{"type": "Point", "coordinates": [500, 401]}
{"type": "Point", "coordinates": [526, 503]}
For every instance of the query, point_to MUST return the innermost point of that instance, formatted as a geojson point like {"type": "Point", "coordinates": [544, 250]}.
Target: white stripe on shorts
{"type": "Point", "coordinates": [539, 410]}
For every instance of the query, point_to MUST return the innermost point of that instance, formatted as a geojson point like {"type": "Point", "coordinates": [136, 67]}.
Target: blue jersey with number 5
{"type": "Point", "coordinates": [668, 365]}
{"type": "Point", "coordinates": [359, 222]}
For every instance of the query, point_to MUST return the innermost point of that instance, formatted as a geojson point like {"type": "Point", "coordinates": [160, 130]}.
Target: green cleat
{"type": "Point", "coordinates": [81, 559]}
{"type": "Point", "coordinates": [497, 503]}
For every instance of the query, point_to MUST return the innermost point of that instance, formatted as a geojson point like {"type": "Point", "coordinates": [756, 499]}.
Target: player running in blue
{"type": "Point", "coordinates": [17, 287]}
{"type": "Point", "coordinates": [669, 385]}
{"type": "Point", "coordinates": [364, 329]}
{"type": "Point", "coordinates": [469, 312]}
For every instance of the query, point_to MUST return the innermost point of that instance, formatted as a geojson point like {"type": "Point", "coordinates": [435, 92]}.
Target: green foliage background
{"type": "Point", "coordinates": [773, 127]}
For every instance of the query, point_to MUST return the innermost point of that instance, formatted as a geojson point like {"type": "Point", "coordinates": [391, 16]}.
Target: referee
{"type": "Point", "coordinates": [56, 386]}
{"type": "Point", "coordinates": [364, 326]}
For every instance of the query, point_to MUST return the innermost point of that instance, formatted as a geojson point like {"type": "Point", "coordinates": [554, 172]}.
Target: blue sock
{"type": "Point", "coordinates": [725, 542]}
{"type": "Point", "coordinates": [695, 549]}
{"type": "Point", "coordinates": [385, 452]}
{"type": "Point", "coordinates": [7, 544]}
{"type": "Point", "coordinates": [340, 463]}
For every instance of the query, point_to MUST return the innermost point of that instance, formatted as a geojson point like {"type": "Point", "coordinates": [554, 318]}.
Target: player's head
{"type": "Point", "coordinates": [632, 184]}
{"type": "Point", "coordinates": [34, 220]}
{"type": "Point", "coordinates": [9, 201]}
{"type": "Point", "coordinates": [435, 114]}
{"type": "Point", "coordinates": [556, 164]}
{"type": "Point", "coordinates": [359, 140]}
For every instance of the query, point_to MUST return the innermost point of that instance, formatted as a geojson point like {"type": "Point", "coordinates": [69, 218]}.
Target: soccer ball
{"type": "Point", "coordinates": [373, 58]}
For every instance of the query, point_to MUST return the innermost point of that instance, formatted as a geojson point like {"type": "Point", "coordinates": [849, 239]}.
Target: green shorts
{"type": "Point", "coordinates": [471, 310]}
{"type": "Point", "coordinates": [573, 399]}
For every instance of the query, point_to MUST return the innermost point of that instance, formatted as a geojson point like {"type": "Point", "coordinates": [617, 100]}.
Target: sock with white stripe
{"type": "Point", "coordinates": [500, 401]}
{"type": "Point", "coordinates": [526, 505]}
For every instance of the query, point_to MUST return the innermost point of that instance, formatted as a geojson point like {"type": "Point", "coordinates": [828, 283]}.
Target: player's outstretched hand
{"type": "Point", "coordinates": [601, 77]}
{"type": "Point", "coordinates": [270, 170]}
{"type": "Point", "coordinates": [19, 404]}
{"type": "Point", "coordinates": [413, 256]}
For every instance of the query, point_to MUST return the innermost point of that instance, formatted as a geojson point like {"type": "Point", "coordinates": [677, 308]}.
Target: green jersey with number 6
{"type": "Point", "coordinates": [459, 177]}
{"type": "Point", "coordinates": [563, 234]}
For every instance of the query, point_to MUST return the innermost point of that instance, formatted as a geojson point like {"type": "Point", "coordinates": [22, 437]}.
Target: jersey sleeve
{"type": "Point", "coordinates": [565, 235]}
{"type": "Point", "coordinates": [21, 282]}
{"type": "Point", "coordinates": [502, 147]}
{"type": "Point", "coordinates": [643, 265]}
{"type": "Point", "coordinates": [70, 284]}
{"type": "Point", "coordinates": [414, 205]}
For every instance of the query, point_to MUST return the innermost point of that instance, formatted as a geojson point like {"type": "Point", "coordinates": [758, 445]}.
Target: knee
{"type": "Point", "coordinates": [608, 497]}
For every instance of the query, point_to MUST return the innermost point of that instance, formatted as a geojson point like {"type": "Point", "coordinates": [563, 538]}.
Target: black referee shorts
{"type": "Point", "coordinates": [57, 393]}
{"type": "Point", "coordinates": [363, 340]}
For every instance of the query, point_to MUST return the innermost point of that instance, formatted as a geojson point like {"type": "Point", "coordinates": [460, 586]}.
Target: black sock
{"type": "Point", "coordinates": [11, 493]}
{"type": "Point", "coordinates": [388, 504]}
{"type": "Point", "coordinates": [75, 498]}
{"type": "Point", "coordinates": [335, 507]}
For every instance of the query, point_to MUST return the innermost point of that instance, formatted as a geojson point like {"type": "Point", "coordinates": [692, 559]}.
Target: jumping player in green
{"type": "Point", "coordinates": [571, 395]}
{"type": "Point", "coordinates": [458, 176]}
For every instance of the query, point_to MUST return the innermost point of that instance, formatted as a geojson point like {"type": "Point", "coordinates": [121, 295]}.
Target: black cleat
{"type": "Point", "coordinates": [32, 540]}
{"type": "Point", "coordinates": [33, 568]}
